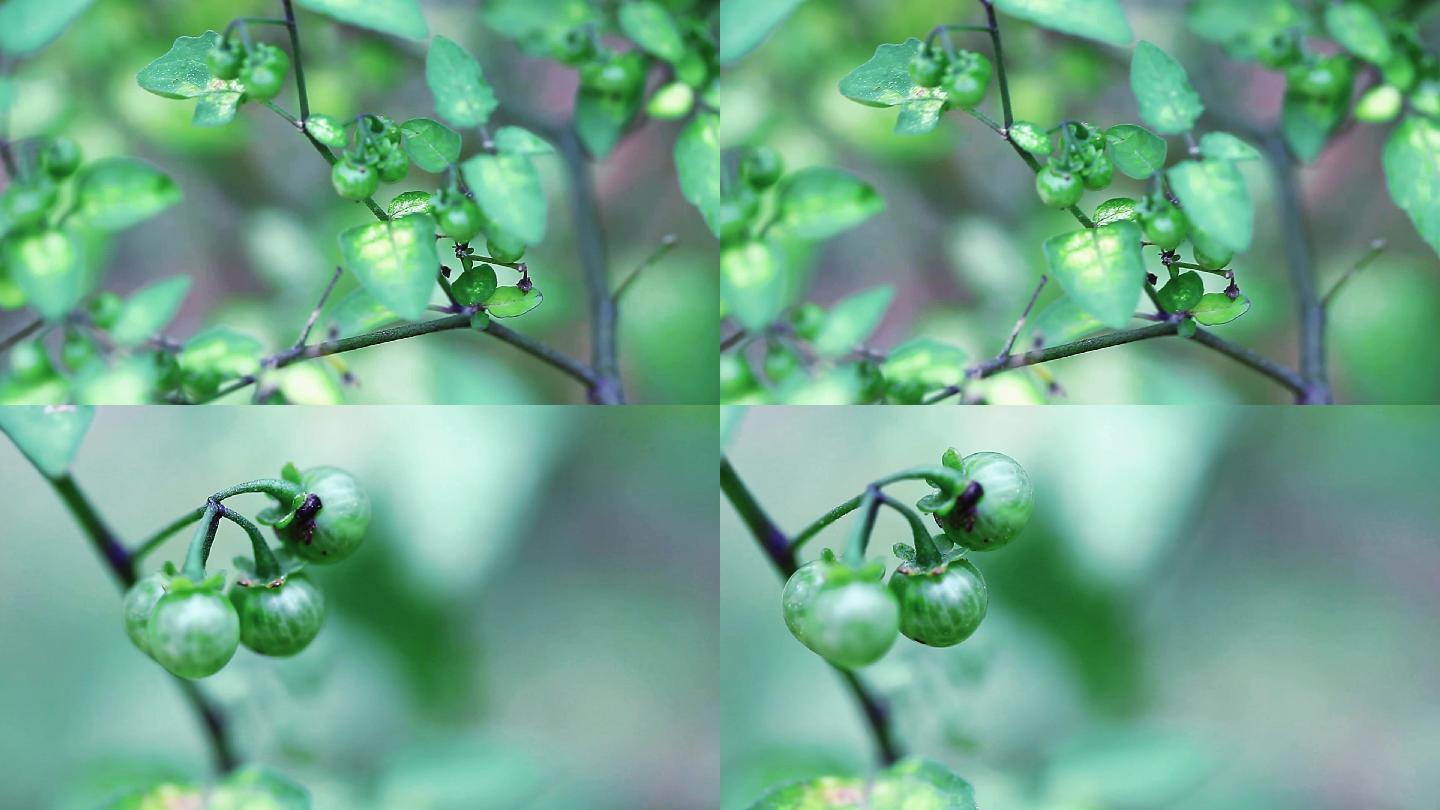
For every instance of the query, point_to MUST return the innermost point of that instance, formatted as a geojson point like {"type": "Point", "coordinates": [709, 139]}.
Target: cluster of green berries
{"type": "Point", "coordinates": [758, 170]}
{"type": "Point", "coordinates": [1080, 164]}
{"type": "Point", "coordinates": [29, 200]}
{"type": "Point", "coordinates": [620, 75]}
{"type": "Point", "coordinates": [851, 617]}
{"type": "Point", "coordinates": [192, 627]}
{"type": "Point", "coordinates": [1411, 75]}
{"type": "Point", "coordinates": [376, 154]}
{"type": "Point", "coordinates": [964, 76]}
{"type": "Point", "coordinates": [260, 68]}
{"type": "Point", "coordinates": [462, 220]}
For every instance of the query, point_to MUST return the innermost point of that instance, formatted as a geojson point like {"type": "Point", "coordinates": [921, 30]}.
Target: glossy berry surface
{"type": "Point", "coordinates": [1057, 188]}
{"type": "Point", "coordinates": [139, 606]}
{"type": "Point", "coordinates": [940, 607]}
{"type": "Point", "coordinates": [193, 634]}
{"type": "Point", "coordinates": [848, 619]}
{"type": "Point", "coordinates": [278, 618]}
{"type": "Point", "coordinates": [1006, 502]}
{"type": "Point", "coordinates": [354, 180]}
{"type": "Point", "coordinates": [339, 526]}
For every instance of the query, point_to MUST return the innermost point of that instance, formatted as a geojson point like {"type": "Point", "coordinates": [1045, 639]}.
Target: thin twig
{"type": "Point", "coordinates": [780, 552]}
{"type": "Point", "coordinates": [24, 332]}
{"type": "Point", "coordinates": [299, 62]}
{"type": "Point", "coordinates": [1020, 324]}
{"type": "Point", "coordinates": [590, 236]}
{"type": "Point", "coordinates": [667, 244]}
{"type": "Point", "coordinates": [122, 566]}
{"type": "Point", "coordinates": [315, 313]}
{"type": "Point", "coordinates": [1376, 248]}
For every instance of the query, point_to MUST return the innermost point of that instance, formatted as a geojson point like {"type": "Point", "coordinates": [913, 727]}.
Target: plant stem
{"type": "Point", "coordinates": [780, 551]}
{"type": "Point", "coordinates": [860, 537]}
{"type": "Point", "coordinates": [267, 568]}
{"type": "Point", "coordinates": [155, 540]}
{"type": "Point", "coordinates": [122, 567]}
{"type": "Point", "coordinates": [1310, 309]}
{"type": "Point", "coordinates": [277, 488]}
{"type": "Point", "coordinates": [606, 388]}
{"type": "Point", "coordinates": [299, 62]}
{"type": "Point", "coordinates": [1276, 372]}
{"type": "Point", "coordinates": [926, 555]}
{"type": "Point", "coordinates": [562, 362]}
{"type": "Point", "coordinates": [24, 332]}
{"type": "Point", "coordinates": [999, 51]}
{"type": "Point", "coordinates": [199, 551]}
{"type": "Point", "coordinates": [927, 474]}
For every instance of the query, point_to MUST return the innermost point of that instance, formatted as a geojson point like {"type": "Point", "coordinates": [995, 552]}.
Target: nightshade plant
{"type": "Point", "coordinates": [1184, 219]}
{"type": "Point", "coordinates": [487, 209]}
{"type": "Point", "coordinates": [841, 608]}
{"type": "Point", "coordinates": [184, 617]}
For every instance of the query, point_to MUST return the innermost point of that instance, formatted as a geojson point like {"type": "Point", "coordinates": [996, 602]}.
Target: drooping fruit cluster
{"type": "Point", "coordinates": [374, 155]}
{"type": "Point", "coordinates": [187, 622]}
{"type": "Point", "coordinates": [1081, 162]}
{"type": "Point", "coordinates": [963, 75]}
{"type": "Point", "coordinates": [850, 616]}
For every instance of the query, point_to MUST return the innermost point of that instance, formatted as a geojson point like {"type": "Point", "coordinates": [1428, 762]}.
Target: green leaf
{"type": "Point", "coordinates": [1182, 292]}
{"type": "Point", "coordinates": [1217, 308]}
{"type": "Point", "coordinates": [919, 116]}
{"type": "Point", "coordinates": [182, 72]}
{"type": "Point", "coordinates": [128, 381]}
{"type": "Point", "coordinates": [1062, 321]}
{"type": "Point", "coordinates": [920, 366]}
{"type": "Point", "coordinates": [395, 260]}
{"type": "Point", "coordinates": [1100, 269]}
{"type": "Point", "coordinates": [432, 145]}
{"type": "Point", "coordinates": [401, 18]}
{"type": "Point", "coordinates": [49, 267]}
{"type": "Point", "coordinates": [1243, 23]}
{"type": "Point", "coordinates": [1135, 150]}
{"type": "Point", "coordinates": [1100, 20]}
{"type": "Point", "coordinates": [1031, 138]}
{"type": "Point", "coordinates": [1308, 122]}
{"type": "Point", "coordinates": [1359, 30]}
{"type": "Point", "coordinates": [602, 118]}
{"type": "Point", "coordinates": [462, 95]}
{"type": "Point", "coordinates": [818, 202]}
{"type": "Point", "coordinates": [215, 355]}
{"type": "Point", "coordinates": [47, 435]}
{"type": "Point", "coordinates": [27, 26]}
{"type": "Point", "coordinates": [521, 141]}
{"type": "Point", "coordinates": [744, 24]}
{"type": "Point", "coordinates": [752, 283]}
{"type": "Point", "coordinates": [1116, 209]}
{"type": "Point", "coordinates": [851, 322]}
{"type": "Point", "coordinates": [359, 312]}
{"type": "Point", "coordinates": [115, 193]}
{"type": "Point", "coordinates": [1412, 174]}
{"type": "Point", "coordinates": [1167, 101]}
{"type": "Point", "coordinates": [884, 80]}
{"type": "Point", "coordinates": [410, 202]}
{"type": "Point", "coordinates": [509, 302]}
{"type": "Point", "coordinates": [216, 109]}
{"type": "Point", "coordinates": [1224, 146]}
{"type": "Point", "coordinates": [649, 25]}
{"type": "Point", "coordinates": [475, 286]}
{"type": "Point", "coordinates": [697, 164]}
{"type": "Point", "coordinates": [149, 310]}
{"type": "Point", "coordinates": [508, 189]}
{"type": "Point", "coordinates": [1215, 199]}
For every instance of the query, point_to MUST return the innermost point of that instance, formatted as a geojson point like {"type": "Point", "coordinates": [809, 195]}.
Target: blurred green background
{"type": "Point", "coordinates": [960, 238]}
{"type": "Point", "coordinates": [257, 228]}
{"type": "Point", "coordinates": [1218, 607]}
{"type": "Point", "coordinates": [529, 625]}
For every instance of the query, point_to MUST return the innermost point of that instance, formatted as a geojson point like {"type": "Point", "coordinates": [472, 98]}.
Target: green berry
{"type": "Point", "coordinates": [940, 607]}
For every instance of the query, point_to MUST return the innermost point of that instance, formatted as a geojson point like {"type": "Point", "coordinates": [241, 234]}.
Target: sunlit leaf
{"type": "Point", "coordinates": [521, 141]}
{"type": "Point", "coordinates": [508, 189]}
{"type": "Point", "coordinates": [1359, 30]}
{"type": "Point", "coordinates": [395, 260]}
{"type": "Point", "coordinates": [1100, 269]}
{"type": "Point", "coordinates": [884, 80]}
{"type": "Point", "coordinates": [697, 163]}
{"type": "Point", "coordinates": [752, 283]}
{"type": "Point", "coordinates": [399, 17]}
{"type": "Point", "coordinates": [47, 435]}
{"type": "Point", "coordinates": [650, 25]}
{"type": "Point", "coordinates": [509, 302]}
{"type": "Point", "coordinates": [1136, 151]}
{"type": "Point", "coordinates": [182, 73]}
{"type": "Point", "coordinates": [149, 310]}
{"type": "Point", "coordinates": [1100, 20]}
{"type": "Point", "coordinates": [1224, 146]}
{"type": "Point", "coordinates": [49, 267]}
{"type": "Point", "coordinates": [115, 193]}
{"type": "Point", "coordinates": [1215, 199]}
{"type": "Point", "coordinates": [432, 145]}
{"type": "Point", "coordinates": [1162, 90]}
{"type": "Point", "coordinates": [850, 323]}
{"type": "Point", "coordinates": [1412, 174]}
{"type": "Point", "coordinates": [462, 95]}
